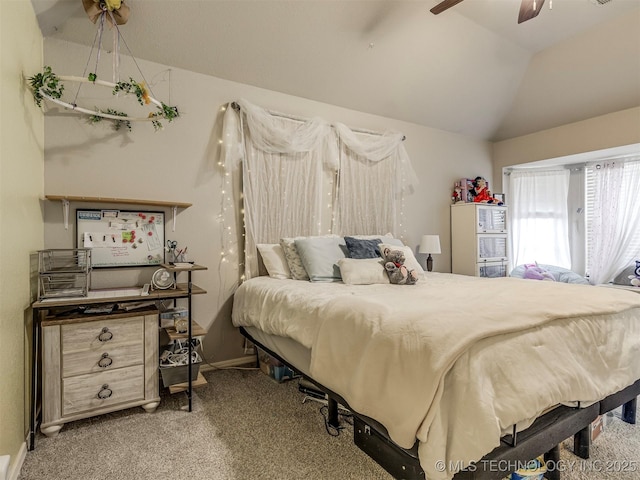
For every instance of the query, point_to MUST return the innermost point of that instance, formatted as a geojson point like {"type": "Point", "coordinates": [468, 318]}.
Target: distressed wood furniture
{"type": "Point", "coordinates": [95, 364]}
{"type": "Point", "coordinates": [41, 313]}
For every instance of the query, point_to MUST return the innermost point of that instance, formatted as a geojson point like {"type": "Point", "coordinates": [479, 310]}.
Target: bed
{"type": "Point", "coordinates": [454, 370]}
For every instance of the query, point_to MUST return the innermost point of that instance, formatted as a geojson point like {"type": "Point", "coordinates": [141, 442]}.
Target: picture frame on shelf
{"type": "Point", "coordinates": [500, 197]}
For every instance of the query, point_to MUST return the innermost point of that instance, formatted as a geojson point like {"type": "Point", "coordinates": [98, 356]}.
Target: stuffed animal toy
{"type": "Point", "coordinates": [635, 279]}
{"type": "Point", "coordinates": [397, 272]}
{"type": "Point", "coordinates": [535, 272]}
{"type": "Point", "coordinates": [457, 194]}
{"type": "Point", "coordinates": [481, 193]}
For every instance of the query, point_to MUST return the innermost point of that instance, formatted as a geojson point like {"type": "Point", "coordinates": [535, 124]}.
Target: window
{"type": "Point", "coordinates": [547, 210]}
{"type": "Point", "coordinates": [539, 217]}
{"type": "Point", "coordinates": [612, 216]}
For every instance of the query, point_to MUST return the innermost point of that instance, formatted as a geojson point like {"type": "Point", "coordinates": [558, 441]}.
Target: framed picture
{"type": "Point", "coordinates": [500, 197]}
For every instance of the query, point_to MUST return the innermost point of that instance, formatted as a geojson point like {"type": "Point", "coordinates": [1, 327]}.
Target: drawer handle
{"type": "Point", "coordinates": [105, 335]}
{"type": "Point", "coordinates": [105, 392]}
{"type": "Point", "coordinates": [105, 361]}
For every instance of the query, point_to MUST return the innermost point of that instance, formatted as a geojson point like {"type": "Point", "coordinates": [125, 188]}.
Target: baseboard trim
{"type": "Point", "coordinates": [16, 468]}
{"type": "Point", "coordinates": [233, 362]}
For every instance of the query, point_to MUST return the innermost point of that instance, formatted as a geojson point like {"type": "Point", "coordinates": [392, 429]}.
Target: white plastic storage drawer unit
{"type": "Point", "coordinates": [479, 240]}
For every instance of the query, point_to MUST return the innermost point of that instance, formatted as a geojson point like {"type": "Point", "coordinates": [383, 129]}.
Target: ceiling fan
{"type": "Point", "coordinates": [528, 8]}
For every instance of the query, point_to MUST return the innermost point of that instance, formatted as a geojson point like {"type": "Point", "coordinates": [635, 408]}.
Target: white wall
{"type": "Point", "coordinates": [21, 223]}
{"type": "Point", "coordinates": [180, 164]}
{"type": "Point", "coordinates": [599, 133]}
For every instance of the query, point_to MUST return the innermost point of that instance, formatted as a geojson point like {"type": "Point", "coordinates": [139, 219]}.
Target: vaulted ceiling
{"type": "Point", "coordinates": [471, 70]}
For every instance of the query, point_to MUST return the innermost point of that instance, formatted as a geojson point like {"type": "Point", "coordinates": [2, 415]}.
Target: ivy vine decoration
{"type": "Point", "coordinates": [166, 112]}
{"type": "Point", "coordinates": [48, 82]}
{"type": "Point", "coordinates": [117, 124]}
{"type": "Point", "coordinates": [141, 92]}
{"type": "Point", "coordinates": [139, 89]}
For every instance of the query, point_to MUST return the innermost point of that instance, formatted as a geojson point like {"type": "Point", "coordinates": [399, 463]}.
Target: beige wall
{"type": "Point", "coordinates": [598, 133]}
{"type": "Point", "coordinates": [21, 223]}
{"type": "Point", "coordinates": [180, 163]}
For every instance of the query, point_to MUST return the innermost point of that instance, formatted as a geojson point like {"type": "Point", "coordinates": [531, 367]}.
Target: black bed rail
{"type": "Point", "coordinates": [541, 438]}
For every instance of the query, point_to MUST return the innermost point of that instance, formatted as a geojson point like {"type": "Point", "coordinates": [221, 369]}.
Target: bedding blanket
{"type": "Point", "coordinates": [454, 361]}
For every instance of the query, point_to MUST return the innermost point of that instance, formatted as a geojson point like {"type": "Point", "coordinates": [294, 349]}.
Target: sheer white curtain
{"type": "Point", "coordinates": [539, 218]}
{"type": "Point", "coordinates": [288, 172]}
{"type": "Point", "coordinates": [613, 218]}
{"type": "Point", "coordinates": [374, 173]}
{"type": "Point", "coordinates": [286, 166]}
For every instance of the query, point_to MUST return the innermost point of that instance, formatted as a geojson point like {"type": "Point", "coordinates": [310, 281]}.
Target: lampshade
{"type": "Point", "coordinates": [430, 244]}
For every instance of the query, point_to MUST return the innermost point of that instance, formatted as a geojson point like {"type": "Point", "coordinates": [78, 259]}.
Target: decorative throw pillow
{"type": "Point", "coordinates": [360, 248]}
{"type": "Point", "coordinates": [362, 271]}
{"type": "Point", "coordinates": [320, 256]}
{"type": "Point", "coordinates": [274, 260]}
{"type": "Point", "coordinates": [409, 258]}
{"type": "Point", "coordinates": [628, 274]}
{"type": "Point", "coordinates": [293, 259]}
{"type": "Point", "coordinates": [386, 238]}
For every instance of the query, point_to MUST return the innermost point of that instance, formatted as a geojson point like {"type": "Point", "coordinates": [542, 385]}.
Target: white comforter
{"type": "Point", "coordinates": [454, 361]}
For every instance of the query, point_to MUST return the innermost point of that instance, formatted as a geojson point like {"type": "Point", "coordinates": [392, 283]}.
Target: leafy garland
{"type": "Point", "coordinates": [50, 85]}
{"type": "Point", "coordinates": [117, 124]}
{"type": "Point", "coordinates": [48, 82]}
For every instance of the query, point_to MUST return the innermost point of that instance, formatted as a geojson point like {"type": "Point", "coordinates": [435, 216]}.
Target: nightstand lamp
{"type": "Point", "coordinates": [430, 244]}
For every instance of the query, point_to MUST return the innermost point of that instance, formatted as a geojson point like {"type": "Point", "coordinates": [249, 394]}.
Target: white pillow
{"type": "Point", "coordinates": [409, 258]}
{"type": "Point", "coordinates": [274, 260]}
{"type": "Point", "coordinates": [362, 271]}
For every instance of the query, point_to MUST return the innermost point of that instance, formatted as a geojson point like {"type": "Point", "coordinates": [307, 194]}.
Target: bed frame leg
{"type": "Point", "coordinates": [629, 411]}
{"type": "Point", "coordinates": [552, 458]}
{"type": "Point", "coordinates": [332, 406]}
{"type": "Point", "coordinates": [582, 442]}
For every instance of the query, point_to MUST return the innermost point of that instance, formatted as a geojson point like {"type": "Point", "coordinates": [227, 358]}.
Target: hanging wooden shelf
{"type": "Point", "coordinates": [66, 199]}
{"type": "Point", "coordinates": [130, 201]}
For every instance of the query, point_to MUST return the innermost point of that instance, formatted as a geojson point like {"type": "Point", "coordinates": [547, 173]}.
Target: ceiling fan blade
{"type": "Point", "coordinates": [527, 12]}
{"type": "Point", "coordinates": [442, 6]}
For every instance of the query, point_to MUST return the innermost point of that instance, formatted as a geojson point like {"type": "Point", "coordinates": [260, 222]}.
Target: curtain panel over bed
{"type": "Point", "coordinates": [308, 177]}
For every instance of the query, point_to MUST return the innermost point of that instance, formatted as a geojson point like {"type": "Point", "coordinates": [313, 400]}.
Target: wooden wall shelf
{"type": "Point", "coordinates": [130, 201]}
{"type": "Point", "coordinates": [66, 199]}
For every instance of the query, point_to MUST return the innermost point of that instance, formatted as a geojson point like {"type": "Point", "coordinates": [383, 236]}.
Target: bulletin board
{"type": "Point", "coordinates": [121, 238]}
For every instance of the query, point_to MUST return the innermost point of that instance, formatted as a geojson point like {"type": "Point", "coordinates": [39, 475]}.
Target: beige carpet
{"type": "Point", "coordinates": [246, 426]}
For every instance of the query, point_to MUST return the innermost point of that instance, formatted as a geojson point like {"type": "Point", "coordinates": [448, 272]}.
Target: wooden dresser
{"type": "Point", "coordinates": [95, 364]}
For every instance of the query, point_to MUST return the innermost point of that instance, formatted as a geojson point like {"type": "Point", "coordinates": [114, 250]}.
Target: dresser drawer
{"type": "Point", "coordinates": [83, 392]}
{"type": "Point", "coordinates": [101, 334]}
{"type": "Point", "coordinates": [104, 359]}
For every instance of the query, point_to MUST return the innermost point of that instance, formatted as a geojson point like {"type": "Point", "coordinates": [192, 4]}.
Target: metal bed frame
{"type": "Point", "coordinates": [541, 438]}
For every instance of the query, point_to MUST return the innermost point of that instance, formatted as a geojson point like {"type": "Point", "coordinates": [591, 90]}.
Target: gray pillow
{"type": "Point", "coordinates": [360, 248]}
{"type": "Point", "coordinates": [623, 277]}
{"type": "Point", "coordinates": [320, 257]}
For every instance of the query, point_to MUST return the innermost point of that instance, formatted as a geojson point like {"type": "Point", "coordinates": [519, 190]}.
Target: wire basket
{"type": "Point", "coordinates": [53, 285]}
{"type": "Point", "coordinates": [64, 272]}
{"type": "Point", "coordinates": [66, 260]}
